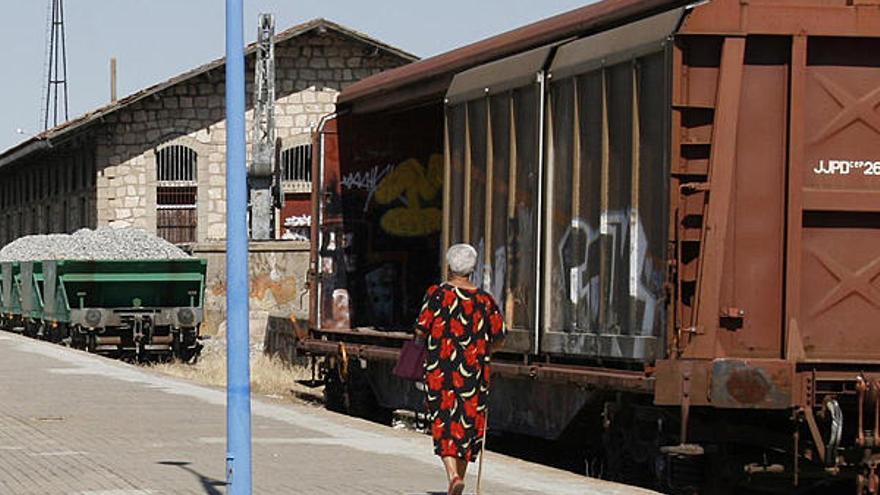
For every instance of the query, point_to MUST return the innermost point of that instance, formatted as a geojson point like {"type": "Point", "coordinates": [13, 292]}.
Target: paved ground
{"type": "Point", "coordinates": [73, 423]}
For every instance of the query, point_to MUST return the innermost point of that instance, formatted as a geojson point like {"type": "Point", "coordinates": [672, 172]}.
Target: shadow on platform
{"type": "Point", "coordinates": [209, 484]}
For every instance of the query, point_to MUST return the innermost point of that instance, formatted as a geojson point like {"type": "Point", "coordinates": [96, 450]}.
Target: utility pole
{"type": "Point", "coordinates": [238, 391]}
{"type": "Point", "coordinates": [56, 100]}
{"type": "Point", "coordinates": [262, 170]}
{"type": "Point", "coordinates": [113, 97]}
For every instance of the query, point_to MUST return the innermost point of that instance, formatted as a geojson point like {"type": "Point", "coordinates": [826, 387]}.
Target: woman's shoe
{"type": "Point", "coordinates": [456, 486]}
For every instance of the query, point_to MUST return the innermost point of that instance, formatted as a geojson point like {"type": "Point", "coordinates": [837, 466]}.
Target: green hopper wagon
{"type": "Point", "coordinates": [118, 307]}
{"type": "Point", "coordinates": [10, 299]}
{"type": "Point", "coordinates": [30, 287]}
{"type": "Point", "coordinates": [2, 300]}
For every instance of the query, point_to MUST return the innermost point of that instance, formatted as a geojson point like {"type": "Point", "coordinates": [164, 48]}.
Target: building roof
{"type": "Point", "coordinates": [431, 76]}
{"type": "Point", "coordinates": [44, 139]}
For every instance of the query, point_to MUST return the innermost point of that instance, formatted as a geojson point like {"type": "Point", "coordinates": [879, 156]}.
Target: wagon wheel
{"type": "Point", "coordinates": [177, 348]}
{"type": "Point", "coordinates": [64, 335]}
{"type": "Point", "coordinates": [141, 352]}
{"type": "Point", "coordinates": [334, 387]}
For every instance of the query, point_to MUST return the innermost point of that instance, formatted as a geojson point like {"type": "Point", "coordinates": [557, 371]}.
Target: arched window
{"type": "Point", "coordinates": [296, 181]}
{"type": "Point", "coordinates": [176, 193]}
{"type": "Point", "coordinates": [296, 167]}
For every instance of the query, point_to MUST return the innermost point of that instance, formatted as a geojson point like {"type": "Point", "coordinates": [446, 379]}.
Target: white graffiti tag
{"type": "Point", "coordinates": [643, 281]}
{"type": "Point", "coordinates": [368, 181]}
{"type": "Point", "coordinates": [298, 221]}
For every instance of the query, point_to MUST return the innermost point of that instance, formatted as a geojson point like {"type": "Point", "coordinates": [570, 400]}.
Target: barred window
{"type": "Point", "coordinates": [176, 165]}
{"type": "Point", "coordinates": [296, 163]}
{"type": "Point", "coordinates": [177, 193]}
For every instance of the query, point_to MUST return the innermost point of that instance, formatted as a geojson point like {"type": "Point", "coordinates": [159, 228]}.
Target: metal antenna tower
{"type": "Point", "coordinates": [55, 104]}
{"type": "Point", "coordinates": [263, 168]}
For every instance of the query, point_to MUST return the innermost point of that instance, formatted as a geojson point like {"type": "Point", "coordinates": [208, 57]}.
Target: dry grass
{"type": "Point", "coordinates": [270, 376]}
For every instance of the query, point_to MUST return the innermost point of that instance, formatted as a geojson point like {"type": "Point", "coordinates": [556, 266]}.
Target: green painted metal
{"type": "Point", "coordinates": [11, 302]}
{"type": "Point", "coordinates": [122, 284]}
{"type": "Point", "coordinates": [31, 289]}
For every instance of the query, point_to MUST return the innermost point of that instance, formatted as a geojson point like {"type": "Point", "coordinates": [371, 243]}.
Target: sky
{"type": "Point", "coordinates": [157, 39]}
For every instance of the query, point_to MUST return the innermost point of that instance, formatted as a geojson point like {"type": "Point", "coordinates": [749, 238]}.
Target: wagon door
{"type": "Point", "coordinates": [493, 137]}
{"type": "Point", "coordinates": [606, 195]}
{"type": "Point", "coordinates": [834, 216]}
{"type": "Point", "coordinates": [379, 205]}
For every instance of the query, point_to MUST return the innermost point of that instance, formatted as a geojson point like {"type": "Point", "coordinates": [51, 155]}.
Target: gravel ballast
{"type": "Point", "coordinates": [103, 244]}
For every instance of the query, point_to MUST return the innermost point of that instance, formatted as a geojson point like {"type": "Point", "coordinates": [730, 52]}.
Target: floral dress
{"type": "Point", "coordinates": [461, 325]}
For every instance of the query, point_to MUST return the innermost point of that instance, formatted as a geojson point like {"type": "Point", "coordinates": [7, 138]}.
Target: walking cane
{"type": "Point", "coordinates": [482, 451]}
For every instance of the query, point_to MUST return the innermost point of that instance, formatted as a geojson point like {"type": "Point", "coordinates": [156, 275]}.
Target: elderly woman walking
{"type": "Point", "coordinates": [463, 326]}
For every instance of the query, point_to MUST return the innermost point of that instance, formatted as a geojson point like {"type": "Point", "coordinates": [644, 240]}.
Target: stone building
{"type": "Point", "coordinates": [156, 159]}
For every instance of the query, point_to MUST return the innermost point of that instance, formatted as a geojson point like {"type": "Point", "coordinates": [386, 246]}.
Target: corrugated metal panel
{"type": "Point", "coordinates": [608, 47]}
{"type": "Point", "coordinates": [499, 76]}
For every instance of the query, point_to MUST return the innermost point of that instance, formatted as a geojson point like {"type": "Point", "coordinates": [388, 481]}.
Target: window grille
{"type": "Point", "coordinates": [296, 166]}
{"type": "Point", "coordinates": [176, 165]}
{"type": "Point", "coordinates": [177, 194]}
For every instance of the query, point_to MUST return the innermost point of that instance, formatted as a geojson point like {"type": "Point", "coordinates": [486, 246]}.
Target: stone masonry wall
{"type": "Point", "coordinates": [51, 192]}
{"type": "Point", "coordinates": [311, 69]}
{"type": "Point", "coordinates": [277, 284]}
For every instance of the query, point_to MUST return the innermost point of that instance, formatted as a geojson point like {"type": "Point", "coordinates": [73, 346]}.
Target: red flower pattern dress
{"type": "Point", "coordinates": [461, 326]}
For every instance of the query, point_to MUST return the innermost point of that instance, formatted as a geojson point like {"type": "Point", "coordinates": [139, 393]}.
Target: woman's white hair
{"type": "Point", "coordinates": [462, 259]}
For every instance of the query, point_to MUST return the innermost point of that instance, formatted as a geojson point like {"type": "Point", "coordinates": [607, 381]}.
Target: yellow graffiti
{"type": "Point", "coordinates": [410, 182]}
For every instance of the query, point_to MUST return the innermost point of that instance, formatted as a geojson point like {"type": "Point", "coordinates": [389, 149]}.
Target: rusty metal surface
{"type": "Point", "coordinates": [629, 381]}
{"type": "Point", "coordinates": [717, 211]}
{"type": "Point", "coordinates": [670, 387]}
{"type": "Point", "coordinates": [810, 110]}
{"type": "Point", "coordinates": [839, 302]}
{"type": "Point", "coordinates": [774, 17]}
{"type": "Point", "coordinates": [728, 383]}
{"type": "Point", "coordinates": [378, 239]}
{"type": "Point", "coordinates": [368, 333]}
{"type": "Point", "coordinates": [752, 384]}
{"type": "Point", "coordinates": [579, 22]}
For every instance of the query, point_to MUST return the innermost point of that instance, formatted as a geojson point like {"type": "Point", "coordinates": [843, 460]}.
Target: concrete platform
{"type": "Point", "coordinates": [74, 423]}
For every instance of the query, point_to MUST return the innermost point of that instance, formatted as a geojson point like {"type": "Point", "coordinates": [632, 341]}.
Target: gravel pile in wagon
{"type": "Point", "coordinates": [102, 244]}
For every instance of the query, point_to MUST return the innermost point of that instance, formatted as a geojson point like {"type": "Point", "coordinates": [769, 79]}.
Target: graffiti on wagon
{"type": "Point", "coordinates": [626, 244]}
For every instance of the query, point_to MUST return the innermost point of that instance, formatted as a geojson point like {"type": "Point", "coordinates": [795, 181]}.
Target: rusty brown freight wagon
{"type": "Point", "coordinates": [679, 208]}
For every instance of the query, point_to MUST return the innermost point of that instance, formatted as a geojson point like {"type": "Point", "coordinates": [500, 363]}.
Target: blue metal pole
{"type": "Point", "coordinates": [238, 393]}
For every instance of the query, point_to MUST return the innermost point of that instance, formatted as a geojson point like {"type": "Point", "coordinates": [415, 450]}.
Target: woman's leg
{"type": "Point", "coordinates": [451, 465]}
{"type": "Point", "coordinates": [461, 467]}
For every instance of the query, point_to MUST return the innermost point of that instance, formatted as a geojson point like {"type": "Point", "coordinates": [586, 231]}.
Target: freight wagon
{"type": "Point", "coordinates": [122, 308]}
{"type": "Point", "coordinates": [678, 208]}
{"type": "Point", "coordinates": [10, 301]}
